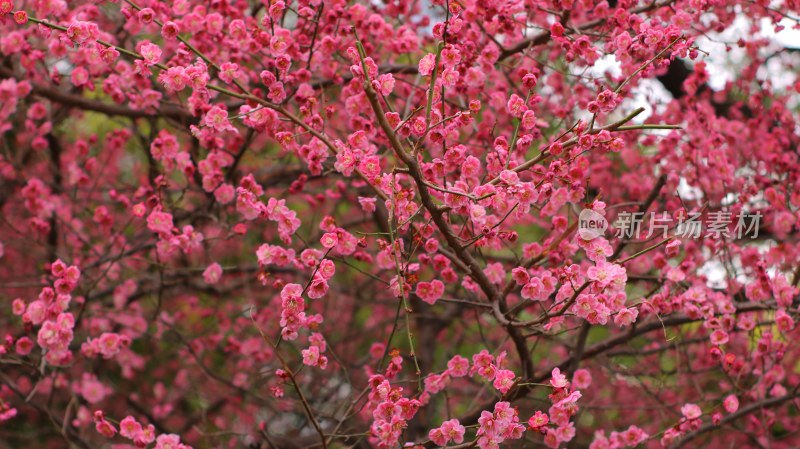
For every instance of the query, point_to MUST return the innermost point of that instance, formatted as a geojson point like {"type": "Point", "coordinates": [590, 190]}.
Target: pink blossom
{"type": "Point", "coordinates": [672, 248]}
{"type": "Point", "coordinates": [80, 77]}
{"type": "Point", "coordinates": [558, 380]}
{"type": "Point", "coordinates": [329, 240]}
{"type": "Point", "coordinates": [367, 204]}
{"type": "Point", "coordinates": [538, 420]}
{"type": "Point", "coordinates": [784, 321]}
{"type": "Point", "coordinates": [605, 273]}
{"type": "Point", "coordinates": [217, 119]}
{"type": "Point", "coordinates": [82, 32]}
{"type": "Point", "coordinates": [450, 430]}
{"type": "Point", "coordinates": [174, 79]}
{"type": "Point", "coordinates": [18, 306]}
{"type": "Point", "coordinates": [731, 403]}
{"type": "Point", "coordinates": [626, 317]}
{"type": "Point", "coordinates": [146, 15]}
{"type": "Point", "coordinates": [168, 441]}
{"type": "Point", "coordinates": [129, 428]}
{"type": "Point", "coordinates": [516, 106]}
{"type": "Point", "coordinates": [160, 222]}
{"type": "Point", "coordinates": [151, 53]}
{"type": "Point", "coordinates": [458, 366]}
{"type": "Point", "coordinates": [633, 436]}
{"type": "Point", "coordinates": [169, 30]}
{"type": "Point", "coordinates": [384, 84]}
{"type": "Point", "coordinates": [430, 292]}
{"type": "Point", "coordinates": [24, 346]}
{"type": "Point", "coordinates": [92, 389]}
{"type": "Point", "coordinates": [105, 428]}
{"type": "Point", "coordinates": [691, 411]}
{"type": "Point", "coordinates": [719, 337]}
{"type": "Point", "coordinates": [229, 71]}
{"type": "Point", "coordinates": [504, 380]}
{"type": "Point", "coordinates": [212, 273]}
{"type": "Point", "coordinates": [6, 6]}
{"type": "Point", "coordinates": [582, 378]}
{"type": "Point", "coordinates": [426, 64]}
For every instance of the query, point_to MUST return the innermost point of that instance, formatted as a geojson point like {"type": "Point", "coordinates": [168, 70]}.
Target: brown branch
{"type": "Point", "coordinates": [437, 215]}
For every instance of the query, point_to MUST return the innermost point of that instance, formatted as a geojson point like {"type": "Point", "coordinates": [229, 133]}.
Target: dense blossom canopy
{"type": "Point", "coordinates": [297, 224]}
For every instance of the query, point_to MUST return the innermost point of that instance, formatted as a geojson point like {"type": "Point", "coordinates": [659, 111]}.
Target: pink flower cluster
{"type": "Point", "coordinates": [141, 435]}
{"type": "Point", "coordinates": [499, 426]}
{"type": "Point", "coordinates": [6, 411]}
{"type": "Point", "coordinates": [430, 292]}
{"type": "Point", "coordinates": [313, 355]}
{"type": "Point", "coordinates": [450, 430]}
{"type": "Point", "coordinates": [391, 412]}
{"type": "Point", "coordinates": [91, 389]}
{"type": "Point", "coordinates": [631, 437]}
{"type": "Point", "coordinates": [486, 365]}
{"type": "Point", "coordinates": [556, 425]}
{"type": "Point", "coordinates": [535, 288]}
{"type": "Point", "coordinates": [166, 149]}
{"type": "Point", "coordinates": [248, 204]}
{"type": "Point", "coordinates": [49, 311]}
{"type": "Point", "coordinates": [108, 345]}
{"type": "Point", "coordinates": [293, 316]}
{"type": "Point", "coordinates": [690, 421]}
{"type": "Point", "coordinates": [133, 430]}
{"type": "Point", "coordinates": [171, 239]}
{"type": "Point", "coordinates": [411, 170]}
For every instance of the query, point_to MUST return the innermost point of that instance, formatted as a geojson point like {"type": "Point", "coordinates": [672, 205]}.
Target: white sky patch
{"type": "Point", "coordinates": [606, 64]}
{"type": "Point", "coordinates": [688, 192]}
{"type": "Point", "coordinates": [721, 54]}
{"type": "Point", "coordinates": [649, 93]}
{"type": "Point", "coordinates": [63, 66]}
{"type": "Point", "coordinates": [725, 58]}
{"type": "Point", "coordinates": [723, 62]}
{"type": "Point", "coordinates": [787, 37]}
{"type": "Point", "coordinates": [714, 271]}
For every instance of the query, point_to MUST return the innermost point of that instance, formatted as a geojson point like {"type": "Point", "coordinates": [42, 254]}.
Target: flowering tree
{"type": "Point", "coordinates": [325, 224]}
